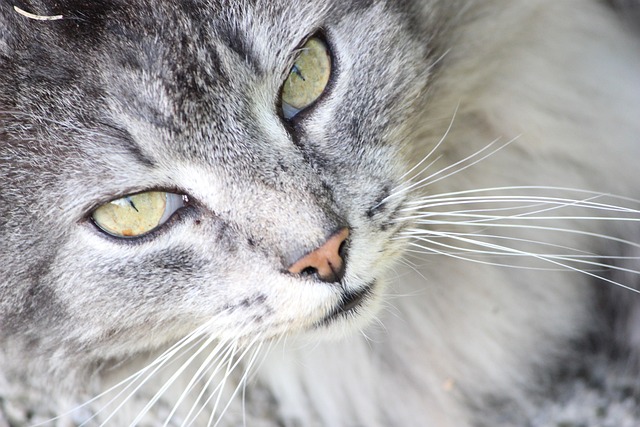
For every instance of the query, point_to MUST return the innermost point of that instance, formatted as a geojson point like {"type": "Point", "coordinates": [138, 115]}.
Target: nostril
{"type": "Point", "coordinates": [327, 263]}
{"type": "Point", "coordinates": [309, 271]}
{"type": "Point", "coordinates": [342, 250]}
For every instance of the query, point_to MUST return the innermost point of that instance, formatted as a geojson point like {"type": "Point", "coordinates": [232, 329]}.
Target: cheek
{"type": "Point", "coordinates": [127, 281]}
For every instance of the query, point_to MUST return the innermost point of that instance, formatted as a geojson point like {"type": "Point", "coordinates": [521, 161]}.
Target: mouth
{"type": "Point", "coordinates": [349, 303]}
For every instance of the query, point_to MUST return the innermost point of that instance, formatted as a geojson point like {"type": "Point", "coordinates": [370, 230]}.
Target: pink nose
{"type": "Point", "coordinates": [327, 262]}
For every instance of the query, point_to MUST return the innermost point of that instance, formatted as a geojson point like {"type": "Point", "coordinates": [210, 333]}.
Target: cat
{"type": "Point", "coordinates": [319, 213]}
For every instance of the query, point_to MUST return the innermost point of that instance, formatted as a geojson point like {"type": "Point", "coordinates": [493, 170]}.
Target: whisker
{"type": "Point", "coordinates": [580, 253]}
{"type": "Point", "coordinates": [265, 353]}
{"type": "Point", "coordinates": [242, 380]}
{"type": "Point", "coordinates": [401, 189]}
{"type": "Point", "coordinates": [433, 150]}
{"type": "Point", "coordinates": [218, 349]}
{"type": "Point", "coordinates": [600, 236]}
{"type": "Point", "coordinates": [128, 382]}
{"type": "Point", "coordinates": [456, 167]}
{"type": "Point", "coordinates": [559, 260]}
{"type": "Point", "coordinates": [520, 189]}
{"type": "Point", "coordinates": [226, 358]}
{"type": "Point", "coordinates": [220, 388]}
{"type": "Point", "coordinates": [533, 202]}
{"type": "Point", "coordinates": [460, 256]}
{"type": "Point", "coordinates": [171, 380]}
{"type": "Point", "coordinates": [220, 361]}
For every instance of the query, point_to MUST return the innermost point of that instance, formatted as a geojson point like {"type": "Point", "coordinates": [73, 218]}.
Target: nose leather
{"type": "Point", "coordinates": [327, 262]}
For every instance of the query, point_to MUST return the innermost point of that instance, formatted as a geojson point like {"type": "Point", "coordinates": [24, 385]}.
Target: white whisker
{"type": "Point", "coordinates": [520, 189]}
{"type": "Point", "coordinates": [157, 364]}
{"type": "Point", "coordinates": [559, 260]}
{"type": "Point", "coordinates": [433, 150]}
{"type": "Point", "coordinates": [222, 357]}
{"type": "Point", "coordinates": [171, 380]}
{"type": "Point", "coordinates": [460, 165]}
{"type": "Point", "coordinates": [243, 379]}
{"type": "Point", "coordinates": [486, 225]}
{"type": "Point", "coordinates": [532, 202]}
{"type": "Point", "coordinates": [197, 375]}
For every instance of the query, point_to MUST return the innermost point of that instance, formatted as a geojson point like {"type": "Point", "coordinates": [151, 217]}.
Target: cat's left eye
{"type": "Point", "coordinates": [308, 78]}
{"type": "Point", "coordinates": [137, 214]}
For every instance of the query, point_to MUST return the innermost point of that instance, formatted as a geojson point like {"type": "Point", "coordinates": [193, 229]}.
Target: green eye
{"type": "Point", "coordinates": [138, 214]}
{"type": "Point", "coordinates": [307, 79]}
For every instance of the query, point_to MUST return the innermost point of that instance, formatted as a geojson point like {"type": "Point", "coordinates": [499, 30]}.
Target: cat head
{"type": "Point", "coordinates": [173, 118]}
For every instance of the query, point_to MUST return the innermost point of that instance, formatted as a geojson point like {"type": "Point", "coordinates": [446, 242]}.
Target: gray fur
{"type": "Point", "coordinates": [119, 97]}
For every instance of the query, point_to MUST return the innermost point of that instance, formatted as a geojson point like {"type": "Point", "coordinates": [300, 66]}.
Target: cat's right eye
{"type": "Point", "coordinates": [137, 214]}
{"type": "Point", "coordinates": [307, 78]}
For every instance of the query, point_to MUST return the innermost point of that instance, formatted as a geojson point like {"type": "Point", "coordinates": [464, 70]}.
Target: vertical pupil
{"type": "Point", "coordinates": [132, 204]}
{"type": "Point", "coordinates": [295, 70]}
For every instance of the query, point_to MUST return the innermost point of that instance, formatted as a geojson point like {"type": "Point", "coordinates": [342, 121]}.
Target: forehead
{"type": "Point", "coordinates": [175, 74]}
{"type": "Point", "coordinates": [167, 63]}
{"type": "Point", "coordinates": [181, 46]}
{"type": "Point", "coordinates": [244, 27]}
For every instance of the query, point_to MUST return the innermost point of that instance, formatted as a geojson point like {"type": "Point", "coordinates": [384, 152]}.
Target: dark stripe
{"type": "Point", "coordinates": [127, 142]}
{"type": "Point", "coordinates": [241, 46]}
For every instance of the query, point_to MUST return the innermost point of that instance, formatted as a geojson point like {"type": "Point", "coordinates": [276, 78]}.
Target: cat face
{"type": "Point", "coordinates": [113, 102]}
